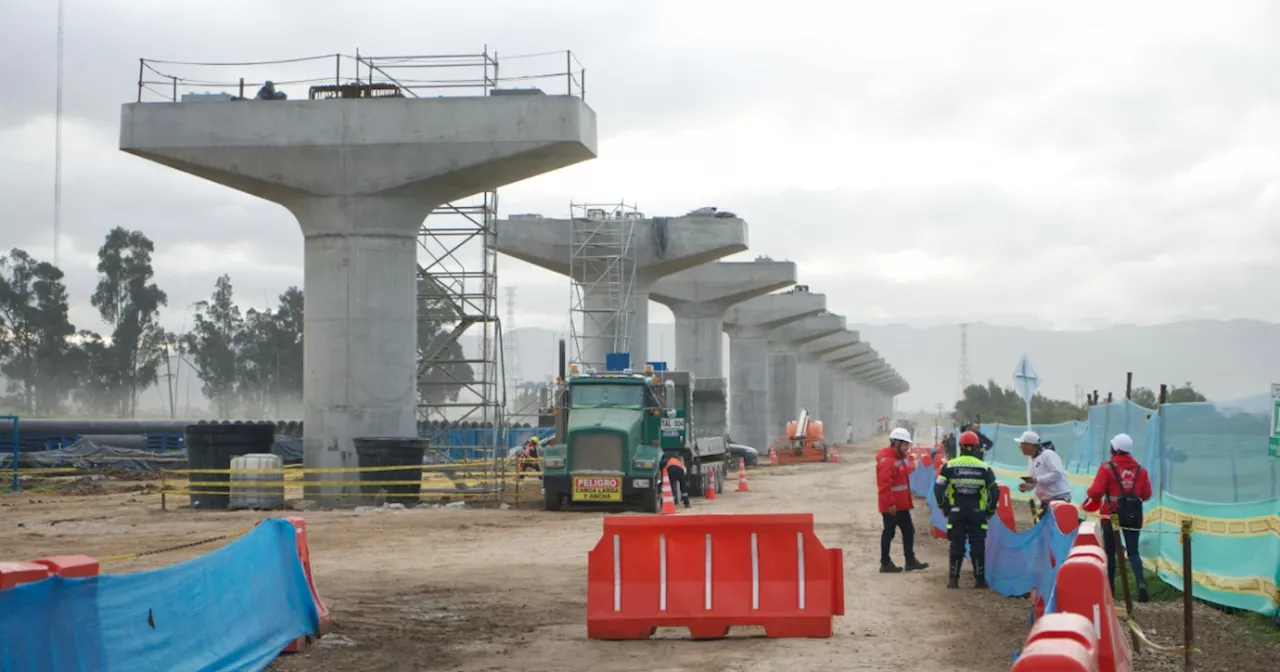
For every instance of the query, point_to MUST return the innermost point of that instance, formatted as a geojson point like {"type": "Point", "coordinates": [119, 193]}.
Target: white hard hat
{"type": "Point", "coordinates": [900, 434]}
{"type": "Point", "coordinates": [1029, 437]}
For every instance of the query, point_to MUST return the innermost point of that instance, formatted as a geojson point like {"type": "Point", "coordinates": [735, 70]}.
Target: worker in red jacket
{"type": "Point", "coordinates": [1120, 487]}
{"type": "Point", "coordinates": [893, 465]}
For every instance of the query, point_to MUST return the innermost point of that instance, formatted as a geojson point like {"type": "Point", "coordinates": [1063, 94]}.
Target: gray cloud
{"type": "Point", "coordinates": [1069, 164]}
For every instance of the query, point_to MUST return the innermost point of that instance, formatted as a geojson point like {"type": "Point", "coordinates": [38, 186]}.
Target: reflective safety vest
{"type": "Point", "coordinates": [675, 462]}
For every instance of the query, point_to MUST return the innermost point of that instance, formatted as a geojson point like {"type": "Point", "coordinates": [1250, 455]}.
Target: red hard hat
{"type": "Point", "coordinates": [969, 439]}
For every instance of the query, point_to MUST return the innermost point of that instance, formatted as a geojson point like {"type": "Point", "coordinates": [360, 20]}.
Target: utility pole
{"type": "Point", "coordinates": [964, 378]}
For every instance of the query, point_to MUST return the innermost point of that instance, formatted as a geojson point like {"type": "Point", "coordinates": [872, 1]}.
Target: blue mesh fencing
{"type": "Point", "coordinates": [235, 608]}
{"type": "Point", "coordinates": [1204, 465]}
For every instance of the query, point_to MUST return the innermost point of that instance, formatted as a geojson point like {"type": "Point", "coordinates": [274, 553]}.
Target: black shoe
{"type": "Point", "coordinates": [980, 584]}
{"type": "Point", "coordinates": [1143, 595]}
{"type": "Point", "coordinates": [687, 505]}
{"type": "Point", "coordinates": [889, 568]}
{"type": "Point", "coordinates": [914, 565]}
{"type": "Point", "coordinates": [953, 582]}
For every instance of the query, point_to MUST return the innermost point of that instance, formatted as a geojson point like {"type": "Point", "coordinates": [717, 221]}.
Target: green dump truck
{"type": "Point", "coordinates": [612, 429]}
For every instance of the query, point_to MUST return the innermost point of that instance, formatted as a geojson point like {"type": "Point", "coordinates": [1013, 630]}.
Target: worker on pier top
{"type": "Point", "coordinates": [893, 466]}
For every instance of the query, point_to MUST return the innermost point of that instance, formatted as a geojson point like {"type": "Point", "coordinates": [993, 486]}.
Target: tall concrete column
{"type": "Point", "coordinates": [791, 338]}
{"type": "Point", "coordinates": [360, 175]}
{"type": "Point", "coordinates": [840, 406]}
{"type": "Point", "coordinates": [699, 299]}
{"type": "Point", "coordinates": [758, 380]}
{"type": "Point", "coordinates": [659, 247]}
{"type": "Point", "coordinates": [824, 352]}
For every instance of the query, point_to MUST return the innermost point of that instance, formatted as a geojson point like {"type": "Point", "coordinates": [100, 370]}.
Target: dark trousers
{"type": "Point", "coordinates": [892, 523]}
{"type": "Point", "coordinates": [679, 482]}
{"type": "Point", "coordinates": [1130, 548]}
{"type": "Point", "coordinates": [971, 526]}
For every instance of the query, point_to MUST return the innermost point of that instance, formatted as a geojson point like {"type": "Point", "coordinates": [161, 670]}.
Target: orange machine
{"type": "Point", "coordinates": [804, 442]}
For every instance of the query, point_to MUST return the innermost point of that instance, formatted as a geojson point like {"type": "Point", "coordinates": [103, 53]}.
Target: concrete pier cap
{"type": "Point", "coordinates": [752, 384]}
{"type": "Point", "coordinates": [700, 297]}
{"type": "Point", "coordinates": [870, 368]}
{"type": "Point", "coordinates": [360, 176]}
{"type": "Point", "coordinates": [662, 246]}
{"type": "Point", "coordinates": [834, 347]}
{"type": "Point", "coordinates": [842, 357]}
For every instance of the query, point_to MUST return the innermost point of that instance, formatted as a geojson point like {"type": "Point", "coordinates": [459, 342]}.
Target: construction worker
{"type": "Point", "coordinates": [528, 456]}
{"type": "Point", "coordinates": [1047, 477]}
{"type": "Point", "coordinates": [1120, 487]}
{"type": "Point", "coordinates": [967, 493]}
{"type": "Point", "coordinates": [893, 465]}
{"type": "Point", "coordinates": [848, 433]}
{"type": "Point", "coordinates": [676, 474]}
{"type": "Point", "coordinates": [984, 442]}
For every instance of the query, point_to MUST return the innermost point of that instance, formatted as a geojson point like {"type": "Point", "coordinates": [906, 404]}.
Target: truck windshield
{"type": "Point", "coordinates": [608, 395]}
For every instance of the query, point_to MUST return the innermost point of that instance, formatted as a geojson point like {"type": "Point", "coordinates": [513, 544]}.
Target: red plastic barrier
{"type": "Point", "coordinates": [1084, 589]}
{"type": "Point", "coordinates": [1060, 643]}
{"type": "Point", "coordinates": [710, 572]}
{"type": "Point", "coordinates": [1067, 517]}
{"type": "Point", "coordinates": [1090, 535]}
{"type": "Point", "coordinates": [70, 566]}
{"type": "Point", "coordinates": [1004, 508]}
{"type": "Point", "coordinates": [17, 573]}
{"type": "Point", "coordinates": [304, 554]}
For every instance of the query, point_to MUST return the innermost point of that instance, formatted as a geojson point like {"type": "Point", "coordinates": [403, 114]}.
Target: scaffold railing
{"type": "Point", "coordinates": [361, 76]}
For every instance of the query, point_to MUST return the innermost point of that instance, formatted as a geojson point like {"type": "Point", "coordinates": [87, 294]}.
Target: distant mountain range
{"type": "Point", "coordinates": [1232, 362]}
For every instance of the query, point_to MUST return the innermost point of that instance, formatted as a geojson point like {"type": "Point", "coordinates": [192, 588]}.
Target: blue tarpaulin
{"type": "Point", "coordinates": [235, 608]}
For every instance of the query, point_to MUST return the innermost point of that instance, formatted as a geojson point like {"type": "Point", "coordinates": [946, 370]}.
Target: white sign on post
{"type": "Point", "coordinates": [1026, 382]}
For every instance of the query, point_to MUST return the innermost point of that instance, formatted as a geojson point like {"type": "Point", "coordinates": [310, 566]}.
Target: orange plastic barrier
{"type": "Point", "coordinates": [1061, 642]}
{"type": "Point", "coordinates": [17, 573]}
{"type": "Point", "coordinates": [710, 572]}
{"type": "Point", "coordinates": [304, 554]}
{"type": "Point", "coordinates": [785, 451]}
{"type": "Point", "coordinates": [1084, 589]}
{"type": "Point", "coordinates": [70, 566]}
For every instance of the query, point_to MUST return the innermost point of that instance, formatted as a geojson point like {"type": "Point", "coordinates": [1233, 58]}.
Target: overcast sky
{"type": "Point", "coordinates": [1059, 165]}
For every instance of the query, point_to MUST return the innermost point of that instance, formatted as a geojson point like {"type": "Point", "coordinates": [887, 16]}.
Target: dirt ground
{"type": "Point", "coordinates": [487, 589]}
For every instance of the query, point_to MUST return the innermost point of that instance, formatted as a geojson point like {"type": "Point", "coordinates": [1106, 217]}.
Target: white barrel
{"type": "Point", "coordinates": [257, 491]}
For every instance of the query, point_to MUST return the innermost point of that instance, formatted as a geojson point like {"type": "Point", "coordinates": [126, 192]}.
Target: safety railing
{"type": "Point", "coordinates": [508, 480]}
{"type": "Point", "coordinates": [361, 76]}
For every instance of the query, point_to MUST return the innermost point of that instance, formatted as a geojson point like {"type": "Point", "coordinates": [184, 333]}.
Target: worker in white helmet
{"type": "Point", "coordinates": [893, 466]}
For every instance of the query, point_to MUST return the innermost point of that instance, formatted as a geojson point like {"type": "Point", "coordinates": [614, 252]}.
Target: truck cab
{"type": "Point", "coordinates": [612, 431]}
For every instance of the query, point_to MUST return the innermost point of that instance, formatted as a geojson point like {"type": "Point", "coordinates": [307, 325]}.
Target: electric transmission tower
{"type": "Point", "coordinates": [964, 378]}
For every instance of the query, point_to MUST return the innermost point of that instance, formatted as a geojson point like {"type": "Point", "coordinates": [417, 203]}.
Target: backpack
{"type": "Point", "coordinates": [1128, 506]}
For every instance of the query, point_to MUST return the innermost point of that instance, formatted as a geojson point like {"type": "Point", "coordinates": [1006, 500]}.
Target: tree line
{"type": "Point", "coordinates": [249, 362]}
{"type": "Point", "coordinates": [994, 403]}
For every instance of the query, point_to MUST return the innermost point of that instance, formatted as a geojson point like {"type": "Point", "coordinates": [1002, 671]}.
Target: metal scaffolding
{"type": "Point", "coordinates": [602, 274]}
{"type": "Point", "coordinates": [459, 332]}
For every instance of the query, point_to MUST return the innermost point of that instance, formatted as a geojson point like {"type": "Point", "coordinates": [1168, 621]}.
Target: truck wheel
{"type": "Point", "coordinates": [552, 501]}
{"type": "Point", "coordinates": [653, 498]}
{"type": "Point", "coordinates": [695, 484]}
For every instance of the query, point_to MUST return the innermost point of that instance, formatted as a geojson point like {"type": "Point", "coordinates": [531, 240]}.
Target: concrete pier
{"type": "Point", "coordinates": [821, 352]}
{"type": "Point", "coordinates": [360, 176]}
{"type": "Point", "coordinates": [660, 246]}
{"type": "Point", "coordinates": [785, 358]}
{"type": "Point", "coordinates": [699, 299]}
{"type": "Point", "coordinates": [752, 386]}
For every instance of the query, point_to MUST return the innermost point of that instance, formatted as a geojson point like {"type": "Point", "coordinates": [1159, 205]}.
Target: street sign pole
{"type": "Point", "coordinates": [1027, 383]}
{"type": "Point", "coordinates": [1273, 448]}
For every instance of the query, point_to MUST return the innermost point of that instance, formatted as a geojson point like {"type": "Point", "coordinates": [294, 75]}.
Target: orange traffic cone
{"type": "Point", "coordinates": [742, 475]}
{"type": "Point", "coordinates": [835, 454]}
{"type": "Point", "coordinates": [709, 492]}
{"type": "Point", "coordinates": [773, 456]}
{"type": "Point", "coordinates": [668, 501]}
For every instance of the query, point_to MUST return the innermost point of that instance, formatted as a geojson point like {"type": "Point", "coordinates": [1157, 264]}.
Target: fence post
{"type": "Point", "coordinates": [1123, 571]}
{"type": "Point", "coordinates": [1128, 384]}
{"type": "Point", "coordinates": [1187, 584]}
{"type": "Point", "coordinates": [141, 64]}
{"type": "Point", "coordinates": [14, 438]}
